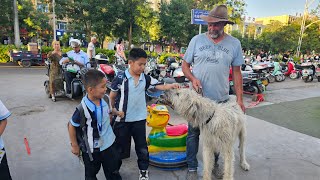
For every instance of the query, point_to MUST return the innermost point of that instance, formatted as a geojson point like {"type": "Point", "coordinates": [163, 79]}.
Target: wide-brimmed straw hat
{"type": "Point", "coordinates": [218, 14]}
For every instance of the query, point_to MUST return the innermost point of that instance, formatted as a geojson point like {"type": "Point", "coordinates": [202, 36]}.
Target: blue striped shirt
{"type": "Point", "coordinates": [131, 97]}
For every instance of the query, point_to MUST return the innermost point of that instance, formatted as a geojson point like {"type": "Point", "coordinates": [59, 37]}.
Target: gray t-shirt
{"type": "Point", "coordinates": [211, 63]}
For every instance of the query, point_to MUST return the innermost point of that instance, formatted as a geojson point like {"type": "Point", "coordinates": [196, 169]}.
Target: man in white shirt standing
{"type": "Point", "coordinates": [91, 51]}
{"type": "Point", "coordinates": [76, 60]}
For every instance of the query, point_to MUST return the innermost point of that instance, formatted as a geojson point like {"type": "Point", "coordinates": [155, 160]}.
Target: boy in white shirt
{"type": "Point", "coordinates": [4, 168]}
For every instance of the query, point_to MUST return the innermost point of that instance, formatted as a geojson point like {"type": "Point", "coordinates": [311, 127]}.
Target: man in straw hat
{"type": "Point", "coordinates": [212, 54]}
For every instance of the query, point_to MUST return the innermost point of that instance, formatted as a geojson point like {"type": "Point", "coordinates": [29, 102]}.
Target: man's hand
{"type": "Point", "coordinates": [66, 61]}
{"type": "Point", "coordinates": [240, 102]}
{"type": "Point", "coordinates": [196, 84]}
{"type": "Point", "coordinates": [75, 149]}
{"type": "Point", "coordinates": [71, 60]}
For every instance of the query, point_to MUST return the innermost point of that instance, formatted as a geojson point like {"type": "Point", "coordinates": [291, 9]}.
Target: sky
{"type": "Point", "coordinates": [264, 8]}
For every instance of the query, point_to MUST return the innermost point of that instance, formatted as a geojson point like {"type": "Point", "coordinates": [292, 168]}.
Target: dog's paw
{"type": "Point", "coordinates": [245, 166]}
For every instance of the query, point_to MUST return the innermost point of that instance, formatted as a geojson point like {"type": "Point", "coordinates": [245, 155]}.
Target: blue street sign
{"type": "Point", "coordinates": [59, 32]}
{"type": "Point", "coordinates": [195, 16]}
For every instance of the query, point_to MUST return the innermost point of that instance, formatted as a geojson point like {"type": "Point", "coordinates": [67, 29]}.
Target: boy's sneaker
{"type": "Point", "coordinates": [192, 175]}
{"type": "Point", "coordinates": [144, 175]}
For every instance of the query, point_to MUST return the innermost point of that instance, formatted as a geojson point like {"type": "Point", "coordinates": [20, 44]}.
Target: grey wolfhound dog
{"type": "Point", "coordinates": [220, 125]}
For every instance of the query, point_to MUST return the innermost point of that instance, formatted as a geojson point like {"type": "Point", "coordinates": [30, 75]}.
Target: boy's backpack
{"type": "Point", "coordinates": [82, 131]}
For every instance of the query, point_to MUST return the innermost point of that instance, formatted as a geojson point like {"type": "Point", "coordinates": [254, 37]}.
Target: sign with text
{"type": "Point", "coordinates": [195, 16]}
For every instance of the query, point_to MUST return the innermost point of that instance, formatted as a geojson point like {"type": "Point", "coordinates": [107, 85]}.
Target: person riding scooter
{"type": "Point", "coordinates": [76, 59]}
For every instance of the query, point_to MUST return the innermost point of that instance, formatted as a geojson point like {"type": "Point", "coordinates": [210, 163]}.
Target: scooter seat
{"type": "Point", "coordinates": [106, 69]}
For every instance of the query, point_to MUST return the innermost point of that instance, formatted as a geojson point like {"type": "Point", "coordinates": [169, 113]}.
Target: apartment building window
{"type": "Point", "coordinates": [62, 25]}
{"type": "Point", "coordinates": [43, 8]}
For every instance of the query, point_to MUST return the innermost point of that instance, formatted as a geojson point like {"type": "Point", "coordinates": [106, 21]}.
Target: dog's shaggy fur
{"type": "Point", "coordinates": [219, 134]}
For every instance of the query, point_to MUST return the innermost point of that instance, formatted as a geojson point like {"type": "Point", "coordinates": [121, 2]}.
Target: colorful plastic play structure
{"type": "Point", "coordinates": [166, 144]}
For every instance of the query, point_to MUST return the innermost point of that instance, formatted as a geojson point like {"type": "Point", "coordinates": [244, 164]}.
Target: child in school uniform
{"type": "Point", "coordinates": [4, 168]}
{"type": "Point", "coordinates": [90, 132]}
{"type": "Point", "coordinates": [127, 98]}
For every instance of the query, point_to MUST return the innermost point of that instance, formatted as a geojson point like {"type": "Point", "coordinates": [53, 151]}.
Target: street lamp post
{"type": "Point", "coordinates": [303, 25]}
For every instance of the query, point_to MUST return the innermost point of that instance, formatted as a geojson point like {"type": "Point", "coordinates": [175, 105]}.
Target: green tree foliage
{"type": "Point", "coordinates": [34, 21]}
{"type": "Point", "coordinates": [6, 17]}
{"type": "Point", "coordinates": [175, 17]}
{"type": "Point", "coordinates": [148, 21]}
{"type": "Point", "coordinates": [280, 38]}
{"type": "Point", "coordinates": [136, 20]}
{"type": "Point", "coordinates": [110, 18]}
{"type": "Point", "coordinates": [175, 22]}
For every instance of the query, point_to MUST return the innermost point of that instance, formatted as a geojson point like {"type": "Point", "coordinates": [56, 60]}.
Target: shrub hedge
{"type": "Point", "coordinates": [5, 53]}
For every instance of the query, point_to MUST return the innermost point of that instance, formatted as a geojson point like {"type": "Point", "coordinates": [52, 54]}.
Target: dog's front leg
{"type": "Point", "coordinates": [228, 162]}
{"type": "Point", "coordinates": [207, 161]}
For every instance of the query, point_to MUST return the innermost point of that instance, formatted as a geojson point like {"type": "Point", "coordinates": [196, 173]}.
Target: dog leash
{"type": "Point", "coordinates": [260, 98]}
{"type": "Point", "coordinates": [199, 91]}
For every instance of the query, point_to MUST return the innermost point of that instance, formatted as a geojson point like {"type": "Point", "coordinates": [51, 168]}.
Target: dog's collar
{"type": "Point", "coordinates": [209, 119]}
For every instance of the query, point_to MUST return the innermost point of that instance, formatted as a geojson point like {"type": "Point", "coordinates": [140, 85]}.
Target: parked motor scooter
{"type": "Point", "coordinates": [251, 83]}
{"type": "Point", "coordinates": [152, 69]}
{"type": "Point", "coordinates": [261, 70]}
{"type": "Point", "coordinates": [308, 71]}
{"type": "Point", "coordinates": [269, 70]}
{"type": "Point", "coordinates": [77, 87]}
{"type": "Point", "coordinates": [318, 72]}
{"type": "Point", "coordinates": [277, 73]}
{"type": "Point", "coordinates": [104, 66]}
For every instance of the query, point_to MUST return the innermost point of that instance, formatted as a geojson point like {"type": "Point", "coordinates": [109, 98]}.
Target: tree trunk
{"type": "Point", "coordinates": [130, 35]}
{"type": "Point", "coordinates": [16, 25]}
{"type": "Point", "coordinates": [101, 38]}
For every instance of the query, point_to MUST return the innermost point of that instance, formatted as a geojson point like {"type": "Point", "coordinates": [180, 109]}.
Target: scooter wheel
{"type": "Point", "coordinates": [46, 89]}
{"type": "Point", "coordinates": [271, 79]}
{"type": "Point", "coordinates": [256, 89]}
{"type": "Point", "coordinates": [319, 79]}
{"type": "Point", "coordinates": [278, 78]}
{"type": "Point", "coordinates": [311, 78]}
{"type": "Point", "coordinates": [293, 76]}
